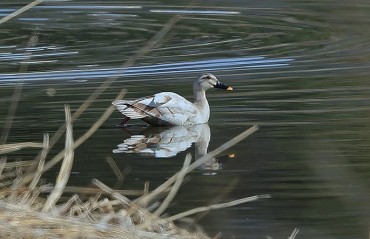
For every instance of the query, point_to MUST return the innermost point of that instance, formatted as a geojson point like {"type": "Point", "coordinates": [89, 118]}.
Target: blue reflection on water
{"type": "Point", "coordinates": [201, 12]}
{"type": "Point", "coordinates": [99, 7]}
{"type": "Point", "coordinates": [22, 56]}
{"type": "Point", "coordinates": [181, 67]}
{"type": "Point", "coordinates": [32, 19]}
{"type": "Point", "coordinates": [7, 10]}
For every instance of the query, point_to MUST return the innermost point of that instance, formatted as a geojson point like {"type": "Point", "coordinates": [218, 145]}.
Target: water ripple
{"type": "Point", "coordinates": [193, 66]}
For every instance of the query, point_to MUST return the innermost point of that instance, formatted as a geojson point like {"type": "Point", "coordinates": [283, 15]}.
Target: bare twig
{"type": "Point", "coordinates": [116, 171]}
{"type": "Point", "coordinates": [79, 141]}
{"type": "Point", "coordinates": [216, 206]}
{"type": "Point", "coordinates": [40, 159]}
{"type": "Point", "coordinates": [88, 134]}
{"type": "Point", "coordinates": [146, 48]}
{"type": "Point", "coordinates": [175, 187]}
{"type": "Point", "coordinates": [16, 95]}
{"type": "Point", "coordinates": [66, 167]}
{"type": "Point", "coordinates": [11, 112]}
{"type": "Point", "coordinates": [20, 11]}
{"type": "Point", "coordinates": [146, 187]}
{"type": "Point", "coordinates": [18, 163]}
{"type": "Point", "coordinates": [84, 190]}
{"type": "Point", "coordinates": [37, 174]}
{"type": "Point", "coordinates": [31, 42]}
{"type": "Point", "coordinates": [218, 198]}
{"type": "Point", "coordinates": [124, 200]}
{"type": "Point", "coordinates": [43, 155]}
{"type": "Point", "coordinates": [294, 233]}
{"type": "Point", "coordinates": [2, 165]}
{"type": "Point", "coordinates": [144, 200]}
{"type": "Point", "coordinates": [7, 148]}
{"type": "Point", "coordinates": [66, 206]}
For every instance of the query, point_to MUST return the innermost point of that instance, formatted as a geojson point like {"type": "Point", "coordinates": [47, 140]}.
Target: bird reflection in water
{"type": "Point", "coordinates": [167, 142]}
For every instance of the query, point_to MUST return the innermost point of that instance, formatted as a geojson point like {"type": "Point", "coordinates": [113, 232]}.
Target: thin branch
{"type": "Point", "coordinates": [66, 167]}
{"type": "Point", "coordinates": [116, 171]}
{"type": "Point", "coordinates": [7, 148]}
{"type": "Point", "coordinates": [219, 198]}
{"type": "Point", "coordinates": [2, 164]}
{"type": "Point", "coordinates": [175, 187]}
{"type": "Point", "coordinates": [216, 206]}
{"type": "Point", "coordinates": [148, 46]}
{"type": "Point", "coordinates": [144, 200]}
{"type": "Point", "coordinates": [40, 166]}
{"type": "Point", "coordinates": [17, 94]}
{"type": "Point", "coordinates": [79, 141]}
{"type": "Point", "coordinates": [11, 113]}
{"type": "Point", "coordinates": [124, 200]}
{"type": "Point", "coordinates": [294, 233]}
{"type": "Point", "coordinates": [20, 11]}
{"type": "Point", "coordinates": [40, 160]}
{"type": "Point", "coordinates": [84, 190]}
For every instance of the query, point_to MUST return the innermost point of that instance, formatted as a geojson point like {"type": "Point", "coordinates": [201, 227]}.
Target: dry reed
{"type": "Point", "coordinates": [8, 148]}
{"type": "Point", "coordinates": [175, 188]}
{"type": "Point", "coordinates": [66, 167]}
{"type": "Point", "coordinates": [294, 233]}
{"type": "Point", "coordinates": [30, 208]}
{"type": "Point", "coordinates": [20, 11]}
{"type": "Point", "coordinates": [25, 212]}
{"type": "Point", "coordinates": [146, 199]}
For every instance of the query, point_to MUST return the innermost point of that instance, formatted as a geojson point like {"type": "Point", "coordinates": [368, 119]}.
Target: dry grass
{"type": "Point", "coordinates": [30, 209]}
{"type": "Point", "coordinates": [20, 11]}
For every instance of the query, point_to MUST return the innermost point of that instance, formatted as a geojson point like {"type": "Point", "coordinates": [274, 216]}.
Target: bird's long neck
{"type": "Point", "coordinates": [201, 103]}
{"type": "Point", "coordinates": [199, 95]}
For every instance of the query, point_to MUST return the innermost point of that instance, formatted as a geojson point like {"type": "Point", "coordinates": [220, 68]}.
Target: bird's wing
{"type": "Point", "coordinates": [174, 102]}
{"type": "Point", "coordinates": [136, 109]}
{"type": "Point", "coordinates": [167, 106]}
{"type": "Point", "coordinates": [174, 108]}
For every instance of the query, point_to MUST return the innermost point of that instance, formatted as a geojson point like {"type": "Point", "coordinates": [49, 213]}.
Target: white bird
{"type": "Point", "coordinates": [168, 108]}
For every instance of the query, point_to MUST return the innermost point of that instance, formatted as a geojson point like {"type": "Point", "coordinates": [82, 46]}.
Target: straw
{"type": "Point", "coordinates": [20, 11]}
{"type": "Point", "coordinates": [124, 200]}
{"type": "Point", "coordinates": [66, 167]}
{"type": "Point", "coordinates": [146, 48]}
{"type": "Point", "coordinates": [85, 190]}
{"type": "Point", "coordinates": [8, 148]}
{"type": "Point", "coordinates": [43, 155]}
{"type": "Point", "coordinates": [11, 113]}
{"type": "Point", "coordinates": [79, 141]}
{"type": "Point", "coordinates": [175, 187]}
{"type": "Point", "coordinates": [294, 233]}
{"type": "Point", "coordinates": [2, 164]}
{"type": "Point", "coordinates": [16, 95]}
{"type": "Point", "coordinates": [218, 198]}
{"type": "Point", "coordinates": [147, 198]}
{"type": "Point", "coordinates": [216, 206]}
{"type": "Point", "coordinates": [113, 217]}
{"type": "Point", "coordinates": [116, 171]}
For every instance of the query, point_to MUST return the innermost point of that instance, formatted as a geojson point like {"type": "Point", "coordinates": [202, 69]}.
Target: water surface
{"type": "Point", "coordinates": [300, 71]}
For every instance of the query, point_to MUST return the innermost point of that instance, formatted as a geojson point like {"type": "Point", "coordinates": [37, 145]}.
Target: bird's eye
{"type": "Point", "coordinates": [207, 77]}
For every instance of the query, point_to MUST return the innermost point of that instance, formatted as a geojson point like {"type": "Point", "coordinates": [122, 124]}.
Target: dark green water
{"type": "Point", "coordinates": [300, 70]}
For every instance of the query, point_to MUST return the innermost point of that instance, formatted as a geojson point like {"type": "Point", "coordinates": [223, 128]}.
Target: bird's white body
{"type": "Point", "coordinates": [168, 108]}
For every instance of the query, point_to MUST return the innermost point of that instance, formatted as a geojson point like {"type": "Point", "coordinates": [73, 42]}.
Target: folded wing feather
{"type": "Point", "coordinates": [166, 106]}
